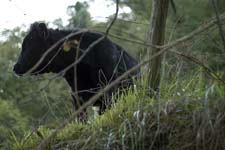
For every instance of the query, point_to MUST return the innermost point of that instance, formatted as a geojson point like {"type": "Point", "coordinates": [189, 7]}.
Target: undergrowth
{"type": "Point", "coordinates": [188, 114]}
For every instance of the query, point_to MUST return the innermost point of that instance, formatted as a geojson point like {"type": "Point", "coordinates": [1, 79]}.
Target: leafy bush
{"type": "Point", "coordinates": [11, 120]}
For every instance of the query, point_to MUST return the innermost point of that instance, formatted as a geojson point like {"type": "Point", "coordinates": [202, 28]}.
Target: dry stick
{"type": "Point", "coordinates": [131, 21]}
{"type": "Point", "coordinates": [116, 29]}
{"type": "Point", "coordinates": [114, 19]}
{"type": "Point", "coordinates": [215, 7]}
{"type": "Point", "coordinates": [200, 29]}
{"type": "Point", "coordinates": [115, 82]}
{"type": "Point", "coordinates": [134, 41]}
{"type": "Point", "coordinates": [198, 62]}
{"type": "Point", "coordinates": [75, 93]}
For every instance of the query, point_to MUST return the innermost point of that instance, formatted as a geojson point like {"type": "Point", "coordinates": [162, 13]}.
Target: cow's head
{"type": "Point", "coordinates": [35, 43]}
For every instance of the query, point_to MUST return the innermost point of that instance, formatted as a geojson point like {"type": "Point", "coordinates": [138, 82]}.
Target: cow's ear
{"type": "Point", "coordinates": [43, 31]}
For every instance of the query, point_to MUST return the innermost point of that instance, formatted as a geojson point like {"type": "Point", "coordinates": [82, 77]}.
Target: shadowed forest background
{"type": "Point", "coordinates": [190, 106]}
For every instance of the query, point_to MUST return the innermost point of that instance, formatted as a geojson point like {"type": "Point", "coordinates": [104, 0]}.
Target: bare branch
{"type": "Point", "coordinates": [202, 28]}
{"type": "Point", "coordinates": [134, 41]}
{"type": "Point", "coordinates": [205, 26]}
{"type": "Point", "coordinates": [114, 19]}
{"type": "Point", "coordinates": [198, 62]}
{"type": "Point", "coordinates": [75, 92]}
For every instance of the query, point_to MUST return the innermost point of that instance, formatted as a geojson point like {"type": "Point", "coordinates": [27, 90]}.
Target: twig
{"type": "Point", "coordinates": [131, 21]}
{"type": "Point", "coordinates": [134, 41]}
{"type": "Point", "coordinates": [198, 62]}
{"type": "Point", "coordinates": [205, 26]}
{"type": "Point", "coordinates": [75, 92]}
{"type": "Point", "coordinates": [116, 29]}
{"type": "Point", "coordinates": [114, 19]}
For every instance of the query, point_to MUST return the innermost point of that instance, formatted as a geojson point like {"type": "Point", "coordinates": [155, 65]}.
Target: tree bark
{"type": "Point", "coordinates": [156, 36]}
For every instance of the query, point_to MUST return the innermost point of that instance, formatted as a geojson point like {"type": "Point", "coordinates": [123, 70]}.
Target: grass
{"type": "Point", "coordinates": [189, 114]}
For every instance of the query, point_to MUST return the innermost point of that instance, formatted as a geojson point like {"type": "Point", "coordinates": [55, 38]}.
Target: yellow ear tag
{"type": "Point", "coordinates": [66, 47]}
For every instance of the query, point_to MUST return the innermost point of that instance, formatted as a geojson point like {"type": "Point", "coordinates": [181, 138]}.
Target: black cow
{"type": "Point", "coordinates": [102, 64]}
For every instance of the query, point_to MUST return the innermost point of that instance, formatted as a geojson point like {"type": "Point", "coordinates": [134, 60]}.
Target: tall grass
{"type": "Point", "coordinates": [189, 113]}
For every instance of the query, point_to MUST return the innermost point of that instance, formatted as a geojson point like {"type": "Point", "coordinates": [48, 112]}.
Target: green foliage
{"type": "Point", "coordinates": [80, 17]}
{"type": "Point", "coordinates": [189, 110]}
{"type": "Point", "coordinates": [12, 120]}
{"type": "Point", "coordinates": [185, 113]}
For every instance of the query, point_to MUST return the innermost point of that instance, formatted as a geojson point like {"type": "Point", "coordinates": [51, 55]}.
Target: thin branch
{"type": "Point", "coordinates": [119, 30]}
{"type": "Point", "coordinates": [131, 21]}
{"type": "Point", "coordinates": [218, 22]}
{"type": "Point", "coordinates": [198, 62]}
{"type": "Point", "coordinates": [134, 41]}
{"type": "Point", "coordinates": [205, 26]}
{"type": "Point", "coordinates": [202, 28]}
{"type": "Point", "coordinates": [75, 92]}
{"type": "Point", "coordinates": [114, 19]}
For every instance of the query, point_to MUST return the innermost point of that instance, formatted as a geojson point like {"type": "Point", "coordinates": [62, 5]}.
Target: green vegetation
{"type": "Point", "coordinates": [187, 115]}
{"type": "Point", "coordinates": [189, 112]}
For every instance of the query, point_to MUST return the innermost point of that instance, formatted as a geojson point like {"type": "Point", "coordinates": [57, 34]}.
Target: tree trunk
{"type": "Point", "coordinates": [156, 37]}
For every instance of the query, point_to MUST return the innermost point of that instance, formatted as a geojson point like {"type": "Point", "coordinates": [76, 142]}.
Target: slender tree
{"type": "Point", "coordinates": [156, 37]}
